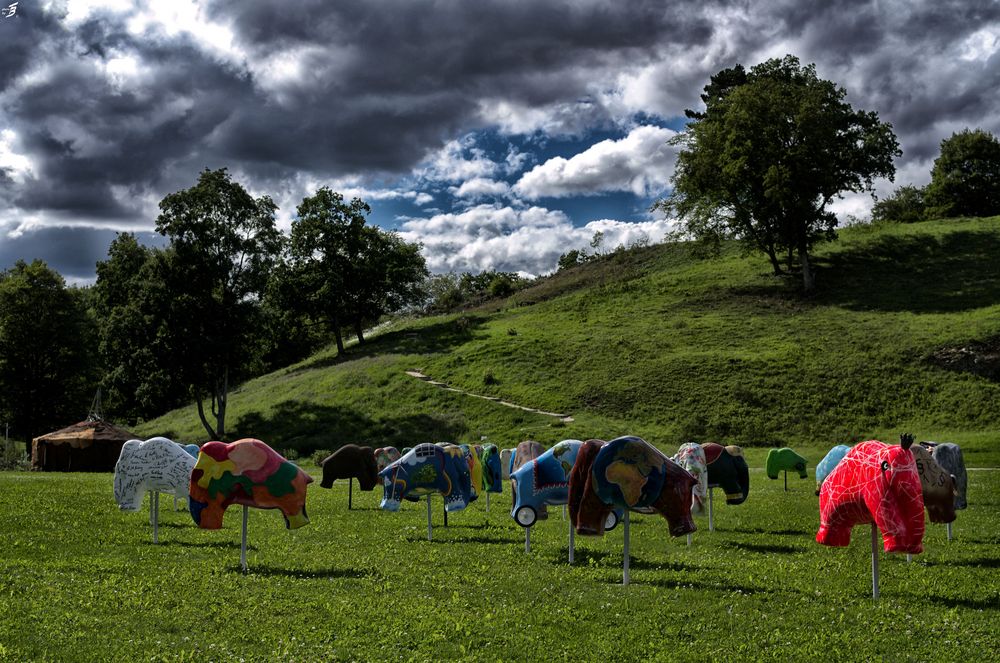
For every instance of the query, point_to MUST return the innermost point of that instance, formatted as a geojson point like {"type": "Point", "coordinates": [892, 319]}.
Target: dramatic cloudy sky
{"type": "Point", "coordinates": [499, 133]}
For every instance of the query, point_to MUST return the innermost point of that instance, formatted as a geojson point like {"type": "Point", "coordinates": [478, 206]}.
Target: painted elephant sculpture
{"type": "Point", "coordinates": [949, 456]}
{"type": "Point", "coordinates": [425, 469]}
{"type": "Point", "coordinates": [475, 469]}
{"type": "Point", "coordinates": [691, 457]}
{"type": "Point", "coordinates": [250, 473]}
{"type": "Point", "coordinates": [192, 449]}
{"type": "Point", "coordinates": [489, 456]}
{"type": "Point", "coordinates": [154, 464]}
{"type": "Point", "coordinates": [506, 456]}
{"type": "Point", "coordinates": [628, 473]}
{"type": "Point", "coordinates": [523, 453]}
{"type": "Point", "coordinates": [784, 460]}
{"type": "Point", "coordinates": [727, 468]}
{"type": "Point", "coordinates": [351, 461]}
{"type": "Point", "coordinates": [874, 483]}
{"type": "Point", "coordinates": [386, 455]}
{"type": "Point", "coordinates": [830, 461]}
{"type": "Point", "coordinates": [937, 486]}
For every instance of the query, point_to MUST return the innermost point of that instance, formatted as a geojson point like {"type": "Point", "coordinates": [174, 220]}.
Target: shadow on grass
{"type": "Point", "coordinates": [923, 274]}
{"type": "Point", "coordinates": [770, 532]}
{"type": "Point", "coordinates": [304, 426]}
{"type": "Point", "coordinates": [431, 339]}
{"type": "Point", "coordinates": [992, 603]}
{"type": "Point", "coordinates": [493, 540]}
{"type": "Point", "coordinates": [764, 547]}
{"type": "Point", "coordinates": [701, 586]}
{"type": "Point", "coordinates": [976, 562]}
{"type": "Point", "coordinates": [210, 544]}
{"type": "Point", "coordinates": [308, 574]}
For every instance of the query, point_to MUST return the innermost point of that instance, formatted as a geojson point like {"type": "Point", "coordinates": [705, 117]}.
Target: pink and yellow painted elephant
{"type": "Point", "coordinates": [246, 472]}
{"type": "Point", "coordinates": [874, 483]}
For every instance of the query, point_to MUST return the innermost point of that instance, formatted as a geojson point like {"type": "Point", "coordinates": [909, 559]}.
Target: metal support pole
{"type": "Point", "coordinates": [948, 527]}
{"type": "Point", "coordinates": [786, 481]}
{"type": "Point", "coordinates": [154, 513]}
{"type": "Point", "coordinates": [689, 539]}
{"type": "Point", "coordinates": [572, 542]}
{"type": "Point", "coordinates": [350, 493]}
{"type": "Point", "coordinates": [874, 562]}
{"type": "Point", "coordinates": [243, 544]}
{"type": "Point", "coordinates": [625, 554]}
{"type": "Point", "coordinates": [909, 557]}
{"type": "Point", "coordinates": [564, 512]}
{"type": "Point", "coordinates": [430, 528]}
{"type": "Point", "coordinates": [445, 505]}
{"type": "Point", "coordinates": [711, 515]}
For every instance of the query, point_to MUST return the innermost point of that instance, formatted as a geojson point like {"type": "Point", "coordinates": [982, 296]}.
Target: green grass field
{"type": "Point", "coordinates": [80, 580]}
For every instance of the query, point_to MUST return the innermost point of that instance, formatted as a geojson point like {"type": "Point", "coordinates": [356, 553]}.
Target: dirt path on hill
{"type": "Point", "coordinates": [441, 385]}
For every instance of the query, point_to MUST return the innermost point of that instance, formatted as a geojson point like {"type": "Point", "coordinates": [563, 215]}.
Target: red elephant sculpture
{"type": "Point", "coordinates": [874, 483]}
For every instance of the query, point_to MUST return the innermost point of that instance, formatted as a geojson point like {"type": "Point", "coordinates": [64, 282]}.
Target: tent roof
{"type": "Point", "coordinates": [86, 433]}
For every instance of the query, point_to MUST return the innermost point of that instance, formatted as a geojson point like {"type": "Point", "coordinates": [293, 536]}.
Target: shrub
{"type": "Point", "coordinates": [906, 205]}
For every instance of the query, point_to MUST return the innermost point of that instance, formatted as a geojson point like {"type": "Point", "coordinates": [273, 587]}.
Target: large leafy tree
{"type": "Point", "coordinates": [965, 180]}
{"type": "Point", "coordinates": [772, 149]}
{"type": "Point", "coordinates": [223, 245]}
{"type": "Point", "coordinates": [139, 347]}
{"type": "Point", "coordinates": [345, 272]}
{"type": "Point", "coordinates": [47, 350]}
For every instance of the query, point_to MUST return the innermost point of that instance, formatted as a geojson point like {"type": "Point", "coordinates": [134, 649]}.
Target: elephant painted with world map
{"type": "Point", "coordinates": [628, 473]}
{"type": "Point", "coordinates": [874, 483]}
{"type": "Point", "coordinates": [425, 469]}
{"type": "Point", "coordinates": [727, 468]}
{"type": "Point", "coordinates": [250, 473]}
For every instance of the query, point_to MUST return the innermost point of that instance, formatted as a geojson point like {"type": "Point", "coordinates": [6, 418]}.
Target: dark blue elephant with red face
{"type": "Point", "coordinates": [728, 469]}
{"type": "Point", "coordinates": [426, 469]}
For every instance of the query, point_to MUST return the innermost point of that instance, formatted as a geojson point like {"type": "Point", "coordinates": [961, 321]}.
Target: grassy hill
{"type": "Point", "coordinates": [902, 334]}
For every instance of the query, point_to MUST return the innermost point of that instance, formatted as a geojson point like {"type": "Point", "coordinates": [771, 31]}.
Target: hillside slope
{"type": "Point", "coordinates": [657, 343]}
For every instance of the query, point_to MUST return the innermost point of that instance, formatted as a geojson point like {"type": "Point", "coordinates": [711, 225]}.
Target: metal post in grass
{"type": "Point", "coordinates": [243, 544]}
{"type": "Point", "coordinates": [874, 562]}
{"type": "Point", "coordinates": [786, 481]}
{"type": "Point", "coordinates": [689, 539]}
{"type": "Point", "coordinates": [430, 528]}
{"type": "Point", "coordinates": [909, 557]}
{"type": "Point", "coordinates": [564, 512]}
{"type": "Point", "coordinates": [711, 515]}
{"type": "Point", "coordinates": [154, 515]}
{"type": "Point", "coordinates": [625, 553]}
{"type": "Point", "coordinates": [444, 508]}
{"type": "Point", "coordinates": [572, 542]}
{"type": "Point", "coordinates": [350, 493]}
{"type": "Point", "coordinates": [948, 528]}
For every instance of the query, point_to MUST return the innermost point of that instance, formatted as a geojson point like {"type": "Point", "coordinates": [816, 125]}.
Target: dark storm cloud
{"type": "Point", "coordinates": [73, 252]}
{"type": "Point", "coordinates": [371, 87]}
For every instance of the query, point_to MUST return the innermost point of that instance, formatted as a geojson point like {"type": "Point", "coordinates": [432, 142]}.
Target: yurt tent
{"type": "Point", "coordinates": [89, 446]}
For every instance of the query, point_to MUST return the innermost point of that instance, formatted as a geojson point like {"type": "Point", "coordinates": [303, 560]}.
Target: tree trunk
{"type": "Point", "coordinates": [204, 420]}
{"type": "Point", "coordinates": [775, 264]}
{"type": "Point", "coordinates": [808, 278]}
{"type": "Point", "coordinates": [335, 323]}
{"type": "Point", "coordinates": [358, 331]}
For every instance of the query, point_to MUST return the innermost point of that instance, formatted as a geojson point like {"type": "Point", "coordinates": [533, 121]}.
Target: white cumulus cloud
{"type": "Point", "coordinates": [529, 240]}
{"type": "Point", "coordinates": [641, 162]}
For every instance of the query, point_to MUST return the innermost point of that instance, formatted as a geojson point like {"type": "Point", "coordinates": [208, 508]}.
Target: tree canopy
{"type": "Point", "coordinates": [965, 180]}
{"type": "Point", "coordinates": [772, 149]}
{"type": "Point", "coordinates": [47, 350]}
